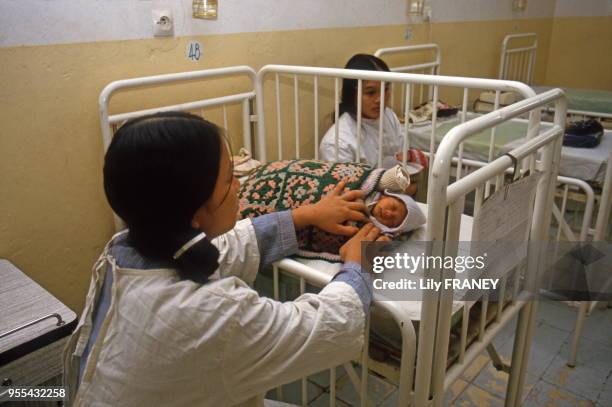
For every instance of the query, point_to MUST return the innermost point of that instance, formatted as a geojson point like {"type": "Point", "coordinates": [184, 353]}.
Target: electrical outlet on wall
{"type": "Point", "coordinates": [163, 23]}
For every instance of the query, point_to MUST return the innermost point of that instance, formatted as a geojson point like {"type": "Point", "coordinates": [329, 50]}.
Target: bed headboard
{"type": "Point", "coordinates": [431, 67]}
{"type": "Point", "coordinates": [427, 61]}
{"type": "Point", "coordinates": [518, 57]}
{"type": "Point", "coordinates": [172, 84]}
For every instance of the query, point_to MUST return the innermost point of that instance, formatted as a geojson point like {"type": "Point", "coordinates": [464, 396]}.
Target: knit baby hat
{"type": "Point", "coordinates": [414, 219]}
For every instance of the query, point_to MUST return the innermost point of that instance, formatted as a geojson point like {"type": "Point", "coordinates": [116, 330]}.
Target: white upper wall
{"type": "Point", "coordinates": [41, 22]}
{"type": "Point", "coordinates": [574, 8]}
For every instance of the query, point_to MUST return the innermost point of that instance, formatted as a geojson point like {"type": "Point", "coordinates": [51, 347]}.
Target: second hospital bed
{"type": "Point", "coordinates": [424, 374]}
{"type": "Point", "coordinates": [581, 170]}
{"type": "Point", "coordinates": [517, 62]}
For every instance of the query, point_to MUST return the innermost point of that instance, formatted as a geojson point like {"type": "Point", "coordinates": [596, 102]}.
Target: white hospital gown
{"type": "Point", "coordinates": [170, 342]}
{"type": "Point", "coordinates": [393, 140]}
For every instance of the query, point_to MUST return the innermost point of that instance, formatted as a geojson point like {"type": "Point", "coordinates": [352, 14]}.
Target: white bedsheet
{"type": "Point", "coordinates": [588, 164]}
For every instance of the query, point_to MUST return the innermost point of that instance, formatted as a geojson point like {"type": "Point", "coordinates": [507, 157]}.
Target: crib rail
{"type": "Point", "coordinates": [296, 82]}
{"type": "Point", "coordinates": [518, 61]}
{"type": "Point", "coordinates": [431, 66]}
{"type": "Point", "coordinates": [110, 122]}
{"type": "Point", "coordinates": [444, 207]}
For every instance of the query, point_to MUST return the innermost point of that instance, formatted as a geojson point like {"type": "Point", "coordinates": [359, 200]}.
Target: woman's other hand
{"type": "Point", "coordinates": [351, 250]}
{"type": "Point", "coordinates": [332, 211]}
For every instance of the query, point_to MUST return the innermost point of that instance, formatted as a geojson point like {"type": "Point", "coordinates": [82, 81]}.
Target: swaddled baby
{"type": "Point", "coordinates": [282, 185]}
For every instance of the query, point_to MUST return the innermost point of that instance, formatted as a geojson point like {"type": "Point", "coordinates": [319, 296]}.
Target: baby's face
{"type": "Point", "coordinates": [389, 211]}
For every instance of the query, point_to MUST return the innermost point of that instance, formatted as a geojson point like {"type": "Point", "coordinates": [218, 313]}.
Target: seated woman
{"type": "Point", "coordinates": [393, 130]}
{"type": "Point", "coordinates": [282, 185]}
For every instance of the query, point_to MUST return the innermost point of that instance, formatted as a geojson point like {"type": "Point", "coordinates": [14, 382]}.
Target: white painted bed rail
{"type": "Point", "coordinates": [107, 121]}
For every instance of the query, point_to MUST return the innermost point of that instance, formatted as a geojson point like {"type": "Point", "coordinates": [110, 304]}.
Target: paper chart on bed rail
{"type": "Point", "coordinates": [505, 217]}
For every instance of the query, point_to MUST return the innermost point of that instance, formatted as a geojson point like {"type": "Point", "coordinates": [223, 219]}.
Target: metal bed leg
{"type": "Point", "coordinates": [517, 353]}
{"type": "Point", "coordinates": [520, 354]}
{"type": "Point", "coordinates": [582, 314]}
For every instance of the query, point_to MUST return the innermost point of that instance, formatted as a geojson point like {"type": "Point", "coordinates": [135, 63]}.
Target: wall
{"type": "Point", "coordinates": [58, 55]}
{"type": "Point", "coordinates": [581, 40]}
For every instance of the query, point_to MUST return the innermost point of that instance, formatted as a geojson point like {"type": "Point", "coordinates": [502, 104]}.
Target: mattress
{"type": "Point", "coordinates": [588, 164]}
{"type": "Point", "coordinates": [587, 100]}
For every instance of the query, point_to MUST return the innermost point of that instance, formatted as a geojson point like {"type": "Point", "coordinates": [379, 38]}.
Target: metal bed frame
{"type": "Point", "coordinates": [431, 66]}
{"type": "Point", "coordinates": [426, 372]}
{"type": "Point", "coordinates": [430, 379]}
{"type": "Point", "coordinates": [518, 63]}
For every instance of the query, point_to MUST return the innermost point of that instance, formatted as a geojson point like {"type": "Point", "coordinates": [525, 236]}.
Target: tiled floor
{"type": "Point", "coordinates": [549, 381]}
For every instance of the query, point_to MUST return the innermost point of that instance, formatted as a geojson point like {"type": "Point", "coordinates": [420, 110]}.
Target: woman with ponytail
{"type": "Point", "coordinates": [170, 318]}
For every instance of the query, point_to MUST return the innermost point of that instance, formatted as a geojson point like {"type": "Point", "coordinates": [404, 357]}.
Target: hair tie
{"type": "Point", "coordinates": [188, 245]}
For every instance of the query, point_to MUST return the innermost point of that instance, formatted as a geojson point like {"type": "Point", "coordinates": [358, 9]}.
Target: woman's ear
{"type": "Point", "coordinates": [200, 218]}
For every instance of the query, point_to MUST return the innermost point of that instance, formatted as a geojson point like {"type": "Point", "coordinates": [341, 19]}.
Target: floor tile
{"type": "Point", "coordinates": [322, 378]}
{"type": "Point", "coordinates": [605, 397]}
{"type": "Point", "coordinates": [545, 394]}
{"type": "Point", "coordinates": [598, 326]}
{"type": "Point", "coordinates": [323, 401]}
{"type": "Point", "coordinates": [292, 392]}
{"type": "Point", "coordinates": [496, 382]}
{"type": "Point", "coordinates": [585, 380]}
{"type": "Point", "coordinates": [475, 367]}
{"type": "Point", "coordinates": [455, 390]}
{"type": "Point", "coordinates": [546, 344]}
{"type": "Point", "coordinates": [378, 390]}
{"type": "Point", "coordinates": [557, 314]}
{"type": "Point", "coordinates": [390, 401]}
{"type": "Point", "coordinates": [506, 333]}
{"type": "Point", "coordinates": [474, 396]}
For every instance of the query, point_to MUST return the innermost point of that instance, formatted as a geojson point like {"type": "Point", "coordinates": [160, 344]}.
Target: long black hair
{"type": "Point", "coordinates": [158, 170]}
{"type": "Point", "coordinates": [365, 62]}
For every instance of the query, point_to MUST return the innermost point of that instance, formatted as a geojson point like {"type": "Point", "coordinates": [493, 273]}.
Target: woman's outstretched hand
{"type": "Point", "coordinates": [332, 211]}
{"type": "Point", "coordinates": [351, 250]}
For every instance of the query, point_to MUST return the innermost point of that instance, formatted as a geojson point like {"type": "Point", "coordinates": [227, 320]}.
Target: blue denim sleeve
{"type": "Point", "coordinates": [361, 282]}
{"type": "Point", "coordinates": [276, 237]}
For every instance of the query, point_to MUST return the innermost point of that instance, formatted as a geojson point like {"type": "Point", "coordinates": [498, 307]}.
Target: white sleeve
{"type": "Point", "coordinates": [275, 343]}
{"type": "Point", "coordinates": [346, 152]}
{"type": "Point", "coordinates": [238, 252]}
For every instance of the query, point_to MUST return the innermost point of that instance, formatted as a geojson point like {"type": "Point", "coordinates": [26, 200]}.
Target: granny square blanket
{"type": "Point", "coordinates": [288, 184]}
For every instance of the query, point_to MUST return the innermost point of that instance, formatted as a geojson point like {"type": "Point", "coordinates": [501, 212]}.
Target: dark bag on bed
{"type": "Point", "coordinates": [583, 134]}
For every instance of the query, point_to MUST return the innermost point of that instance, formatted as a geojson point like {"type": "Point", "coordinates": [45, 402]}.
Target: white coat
{"type": "Point", "coordinates": [393, 140]}
{"type": "Point", "coordinates": [170, 342]}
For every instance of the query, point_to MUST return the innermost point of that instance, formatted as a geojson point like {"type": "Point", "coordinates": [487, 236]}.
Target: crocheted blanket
{"type": "Point", "coordinates": [282, 185]}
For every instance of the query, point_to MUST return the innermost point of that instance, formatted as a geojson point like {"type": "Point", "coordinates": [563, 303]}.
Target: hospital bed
{"type": "Point", "coordinates": [577, 165]}
{"type": "Point", "coordinates": [517, 62]}
{"type": "Point", "coordinates": [423, 376]}
{"type": "Point", "coordinates": [291, 129]}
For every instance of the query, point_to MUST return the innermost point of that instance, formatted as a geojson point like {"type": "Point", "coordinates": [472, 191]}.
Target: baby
{"type": "Point", "coordinates": [281, 185]}
{"type": "Point", "coordinates": [394, 213]}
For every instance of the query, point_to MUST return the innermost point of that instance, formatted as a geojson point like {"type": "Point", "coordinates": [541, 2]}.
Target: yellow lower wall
{"type": "Point", "coordinates": [54, 220]}
{"type": "Point", "coordinates": [580, 53]}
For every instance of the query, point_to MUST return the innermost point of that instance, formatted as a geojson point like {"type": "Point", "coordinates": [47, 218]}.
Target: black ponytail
{"type": "Point", "coordinates": [158, 170]}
